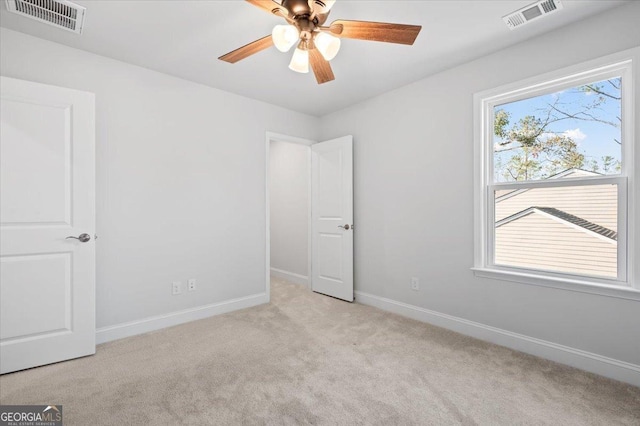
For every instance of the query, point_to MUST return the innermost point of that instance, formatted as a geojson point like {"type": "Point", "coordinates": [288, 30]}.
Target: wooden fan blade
{"type": "Point", "coordinates": [268, 6]}
{"type": "Point", "coordinates": [247, 50]}
{"type": "Point", "coordinates": [376, 31]}
{"type": "Point", "coordinates": [321, 67]}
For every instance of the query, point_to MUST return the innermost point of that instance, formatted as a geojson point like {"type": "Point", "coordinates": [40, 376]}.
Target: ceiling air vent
{"type": "Point", "coordinates": [531, 12]}
{"type": "Point", "coordinates": [59, 13]}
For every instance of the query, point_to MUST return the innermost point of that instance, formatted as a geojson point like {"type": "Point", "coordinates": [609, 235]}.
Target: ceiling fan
{"type": "Point", "coordinates": [317, 44]}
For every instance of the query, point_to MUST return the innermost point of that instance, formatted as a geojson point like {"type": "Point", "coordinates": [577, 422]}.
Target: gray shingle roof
{"type": "Point", "coordinates": [567, 217]}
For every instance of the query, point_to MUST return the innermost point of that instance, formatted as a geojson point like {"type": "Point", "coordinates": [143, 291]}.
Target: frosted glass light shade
{"type": "Point", "coordinates": [284, 37]}
{"type": "Point", "coordinates": [327, 45]}
{"type": "Point", "coordinates": [300, 61]}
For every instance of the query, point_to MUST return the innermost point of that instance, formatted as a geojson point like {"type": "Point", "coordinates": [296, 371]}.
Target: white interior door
{"type": "Point", "coordinates": [332, 218]}
{"type": "Point", "coordinates": [47, 181]}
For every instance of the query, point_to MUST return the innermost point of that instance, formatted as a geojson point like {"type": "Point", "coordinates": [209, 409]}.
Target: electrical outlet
{"type": "Point", "coordinates": [191, 284]}
{"type": "Point", "coordinates": [176, 288]}
{"type": "Point", "coordinates": [415, 284]}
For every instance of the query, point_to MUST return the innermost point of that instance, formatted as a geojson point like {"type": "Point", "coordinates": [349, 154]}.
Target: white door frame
{"type": "Point", "coordinates": [272, 136]}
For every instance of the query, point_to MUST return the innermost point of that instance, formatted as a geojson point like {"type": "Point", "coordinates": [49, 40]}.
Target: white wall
{"type": "Point", "coordinates": [180, 179]}
{"type": "Point", "coordinates": [289, 202]}
{"type": "Point", "coordinates": [414, 196]}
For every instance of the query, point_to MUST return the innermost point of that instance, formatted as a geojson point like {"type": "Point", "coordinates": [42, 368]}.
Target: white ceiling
{"type": "Point", "coordinates": [184, 39]}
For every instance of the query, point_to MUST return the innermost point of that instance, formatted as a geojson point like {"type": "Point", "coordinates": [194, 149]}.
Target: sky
{"type": "Point", "coordinates": [594, 139]}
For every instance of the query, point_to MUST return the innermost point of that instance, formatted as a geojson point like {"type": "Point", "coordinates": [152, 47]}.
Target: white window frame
{"type": "Point", "coordinates": [484, 187]}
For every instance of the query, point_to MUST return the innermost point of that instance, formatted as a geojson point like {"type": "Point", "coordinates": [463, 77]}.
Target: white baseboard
{"type": "Point", "coordinates": [290, 276]}
{"type": "Point", "coordinates": [594, 363]}
{"type": "Point", "coordinates": [127, 329]}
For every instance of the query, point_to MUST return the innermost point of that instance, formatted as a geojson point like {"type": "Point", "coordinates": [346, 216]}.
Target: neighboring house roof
{"type": "Point", "coordinates": [574, 171]}
{"type": "Point", "coordinates": [593, 203]}
{"type": "Point", "coordinates": [563, 174]}
{"type": "Point", "coordinates": [564, 216]}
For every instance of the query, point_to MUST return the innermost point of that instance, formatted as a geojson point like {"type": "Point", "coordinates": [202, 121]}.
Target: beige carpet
{"type": "Point", "coordinates": [311, 359]}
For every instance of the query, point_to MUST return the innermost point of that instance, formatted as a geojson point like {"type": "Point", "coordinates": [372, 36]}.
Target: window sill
{"type": "Point", "coordinates": [620, 292]}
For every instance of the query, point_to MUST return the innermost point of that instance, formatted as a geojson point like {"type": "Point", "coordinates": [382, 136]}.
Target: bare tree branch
{"type": "Point", "coordinates": [596, 89]}
{"type": "Point", "coordinates": [615, 86]}
{"type": "Point", "coordinates": [582, 116]}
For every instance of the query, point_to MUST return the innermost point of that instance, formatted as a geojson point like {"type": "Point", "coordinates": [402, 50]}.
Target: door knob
{"type": "Point", "coordinates": [345, 227]}
{"type": "Point", "coordinates": [83, 238]}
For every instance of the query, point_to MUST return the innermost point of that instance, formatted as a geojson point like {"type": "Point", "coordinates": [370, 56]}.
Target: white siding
{"type": "Point", "coordinates": [542, 242]}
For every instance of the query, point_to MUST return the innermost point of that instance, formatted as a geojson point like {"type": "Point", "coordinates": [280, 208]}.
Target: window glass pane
{"type": "Point", "coordinates": [564, 229]}
{"type": "Point", "coordinates": [573, 129]}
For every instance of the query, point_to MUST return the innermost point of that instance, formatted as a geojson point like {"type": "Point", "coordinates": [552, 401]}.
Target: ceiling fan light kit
{"type": "Point", "coordinates": [328, 45]}
{"type": "Point", "coordinates": [317, 44]}
{"type": "Point", "coordinates": [284, 37]}
{"type": "Point", "coordinates": [300, 61]}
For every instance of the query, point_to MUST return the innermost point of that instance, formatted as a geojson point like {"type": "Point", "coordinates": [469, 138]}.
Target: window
{"type": "Point", "coordinates": [553, 161]}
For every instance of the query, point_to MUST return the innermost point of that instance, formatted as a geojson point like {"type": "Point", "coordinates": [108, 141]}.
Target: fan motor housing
{"type": "Point", "coordinates": [297, 8]}
{"type": "Point", "coordinates": [306, 28]}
